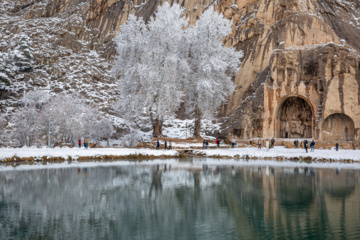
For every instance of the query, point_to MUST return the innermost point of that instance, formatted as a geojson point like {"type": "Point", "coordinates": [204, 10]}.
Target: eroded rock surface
{"type": "Point", "coordinates": [308, 49]}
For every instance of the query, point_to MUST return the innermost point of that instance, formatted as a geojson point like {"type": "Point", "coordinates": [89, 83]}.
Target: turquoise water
{"type": "Point", "coordinates": [154, 202]}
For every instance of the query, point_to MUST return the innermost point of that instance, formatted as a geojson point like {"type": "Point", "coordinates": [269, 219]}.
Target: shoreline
{"type": "Point", "coordinates": [54, 155]}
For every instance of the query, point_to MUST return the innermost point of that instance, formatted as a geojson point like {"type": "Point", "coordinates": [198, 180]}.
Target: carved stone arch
{"type": "Point", "coordinates": [294, 117]}
{"type": "Point", "coordinates": [338, 126]}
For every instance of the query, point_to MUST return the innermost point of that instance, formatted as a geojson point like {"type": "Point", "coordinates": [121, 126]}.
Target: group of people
{"type": "Point", "coordinates": [306, 143]}
{"type": "Point", "coordinates": [268, 144]}
{"type": "Point", "coordinates": [166, 147]}
{"type": "Point", "coordinates": [86, 143]}
{"type": "Point", "coordinates": [312, 145]}
{"type": "Point", "coordinates": [205, 144]}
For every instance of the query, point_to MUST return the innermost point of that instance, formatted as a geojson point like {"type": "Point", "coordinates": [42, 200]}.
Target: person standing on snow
{"type": "Point", "coordinates": [165, 144]}
{"type": "Point", "coordinates": [86, 142]}
{"type": "Point", "coordinates": [157, 145]}
{"type": "Point", "coordinates": [79, 142]}
{"type": "Point", "coordinates": [267, 145]}
{"type": "Point", "coordinates": [206, 144]}
{"type": "Point", "coordinates": [259, 144]}
{"type": "Point", "coordinates": [233, 143]}
{"type": "Point", "coordinates": [170, 145]}
{"type": "Point", "coordinates": [337, 147]}
{"type": "Point", "coordinates": [306, 145]}
{"type": "Point", "coordinates": [217, 143]}
{"type": "Point", "coordinates": [272, 142]}
{"type": "Point", "coordinates": [312, 145]}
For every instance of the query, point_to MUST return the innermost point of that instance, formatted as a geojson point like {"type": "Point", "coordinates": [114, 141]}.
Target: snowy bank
{"type": "Point", "coordinates": [75, 153]}
{"type": "Point", "coordinates": [280, 153]}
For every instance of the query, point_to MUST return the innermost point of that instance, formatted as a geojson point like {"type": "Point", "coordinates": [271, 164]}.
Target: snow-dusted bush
{"type": "Point", "coordinates": [102, 129]}
{"type": "Point", "coordinates": [132, 139]}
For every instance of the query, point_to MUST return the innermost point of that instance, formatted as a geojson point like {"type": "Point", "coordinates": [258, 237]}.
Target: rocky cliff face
{"type": "Point", "coordinates": [285, 42]}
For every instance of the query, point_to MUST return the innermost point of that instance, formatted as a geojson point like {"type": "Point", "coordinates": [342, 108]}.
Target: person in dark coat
{"type": "Point", "coordinates": [312, 145]}
{"type": "Point", "coordinates": [170, 145]}
{"type": "Point", "coordinates": [165, 144]}
{"type": "Point", "coordinates": [218, 142]}
{"type": "Point", "coordinates": [157, 145]}
{"type": "Point", "coordinates": [306, 145]}
{"type": "Point", "coordinates": [272, 142]}
{"type": "Point", "coordinates": [206, 144]}
{"type": "Point", "coordinates": [337, 147]}
{"type": "Point", "coordinates": [79, 142]}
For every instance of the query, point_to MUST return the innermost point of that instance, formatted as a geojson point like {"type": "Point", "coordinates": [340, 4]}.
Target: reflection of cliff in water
{"type": "Point", "coordinates": [339, 187]}
{"type": "Point", "coordinates": [295, 192]}
{"type": "Point", "coordinates": [290, 203]}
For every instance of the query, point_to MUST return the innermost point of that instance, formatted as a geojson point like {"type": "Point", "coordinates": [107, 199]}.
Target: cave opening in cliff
{"type": "Point", "coordinates": [295, 119]}
{"type": "Point", "coordinates": [338, 126]}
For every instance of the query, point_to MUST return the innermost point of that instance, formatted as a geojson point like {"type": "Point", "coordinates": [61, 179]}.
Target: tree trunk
{"type": "Point", "coordinates": [197, 123]}
{"type": "Point", "coordinates": [157, 128]}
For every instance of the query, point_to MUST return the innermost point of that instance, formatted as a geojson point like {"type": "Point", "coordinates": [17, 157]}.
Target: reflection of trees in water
{"type": "Point", "coordinates": [140, 202]}
{"type": "Point", "coordinates": [107, 203]}
{"type": "Point", "coordinates": [244, 199]}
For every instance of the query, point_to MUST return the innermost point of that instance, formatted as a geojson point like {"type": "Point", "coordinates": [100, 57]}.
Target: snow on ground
{"type": "Point", "coordinates": [182, 129]}
{"type": "Point", "coordinates": [285, 152]}
{"type": "Point", "coordinates": [228, 152]}
{"type": "Point", "coordinates": [78, 152]}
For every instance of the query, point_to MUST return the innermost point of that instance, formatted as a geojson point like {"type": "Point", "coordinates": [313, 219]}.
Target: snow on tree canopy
{"type": "Point", "coordinates": [151, 66]}
{"type": "Point", "coordinates": [22, 54]}
{"type": "Point", "coordinates": [161, 64]}
{"type": "Point", "coordinates": [212, 64]}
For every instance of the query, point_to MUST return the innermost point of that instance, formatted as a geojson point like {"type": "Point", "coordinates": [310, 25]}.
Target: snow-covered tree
{"type": "Point", "coordinates": [35, 98]}
{"type": "Point", "coordinates": [3, 123]}
{"type": "Point", "coordinates": [151, 66]}
{"type": "Point", "coordinates": [6, 69]}
{"type": "Point", "coordinates": [102, 130]}
{"type": "Point", "coordinates": [23, 57]}
{"type": "Point", "coordinates": [212, 66]}
{"type": "Point", "coordinates": [69, 117]}
{"type": "Point", "coordinates": [27, 126]}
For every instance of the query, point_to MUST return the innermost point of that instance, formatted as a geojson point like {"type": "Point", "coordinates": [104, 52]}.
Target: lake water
{"type": "Point", "coordinates": [175, 202]}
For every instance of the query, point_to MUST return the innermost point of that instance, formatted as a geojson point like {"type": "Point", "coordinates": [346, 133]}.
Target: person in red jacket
{"type": "Point", "coordinates": [79, 142]}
